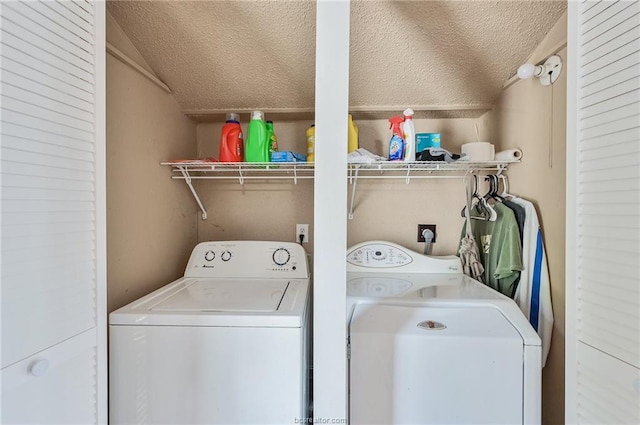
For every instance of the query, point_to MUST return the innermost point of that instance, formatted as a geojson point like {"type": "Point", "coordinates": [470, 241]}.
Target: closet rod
{"type": "Point", "coordinates": [122, 57]}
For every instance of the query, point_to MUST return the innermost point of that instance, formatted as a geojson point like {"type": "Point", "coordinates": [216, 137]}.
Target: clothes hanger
{"type": "Point", "coordinates": [485, 211]}
{"type": "Point", "coordinates": [479, 205]}
{"type": "Point", "coordinates": [487, 196]}
{"type": "Point", "coordinates": [493, 185]}
{"type": "Point", "coordinates": [490, 213]}
{"type": "Point", "coordinates": [505, 186]}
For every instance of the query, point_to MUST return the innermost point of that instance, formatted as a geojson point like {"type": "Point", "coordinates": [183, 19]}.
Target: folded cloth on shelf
{"type": "Point", "coordinates": [438, 154]}
{"type": "Point", "coordinates": [363, 156]}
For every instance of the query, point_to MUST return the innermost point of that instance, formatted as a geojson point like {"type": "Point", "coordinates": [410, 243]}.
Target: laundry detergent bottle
{"type": "Point", "coordinates": [409, 133]}
{"type": "Point", "coordinates": [273, 139]}
{"type": "Point", "coordinates": [231, 141]}
{"type": "Point", "coordinates": [311, 143]}
{"type": "Point", "coordinates": [353, 135]}
{"type": "Point", "coordinates": [396, 144]}
{"type": "Point", "coordinates": [257, 146]}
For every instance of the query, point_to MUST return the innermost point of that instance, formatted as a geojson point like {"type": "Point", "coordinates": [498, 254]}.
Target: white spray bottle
{"type": "Point", "coordinates": [409, 131]}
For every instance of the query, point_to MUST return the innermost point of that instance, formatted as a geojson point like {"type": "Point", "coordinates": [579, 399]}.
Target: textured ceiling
{"type": "Point", "coordinates": [432, 55]}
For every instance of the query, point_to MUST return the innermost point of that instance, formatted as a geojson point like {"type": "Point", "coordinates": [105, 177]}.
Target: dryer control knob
{"type": "Point", "coordinates": [225, 256]}
{"type": "Point", "coordinates": [281, 256]}
{"type": "Point", "coordinates": [209, 255]}
{"type": "Point", "coordinates": [379, 255]}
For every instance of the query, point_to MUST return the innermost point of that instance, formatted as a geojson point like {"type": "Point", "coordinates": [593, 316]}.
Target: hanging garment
{"type": "Point", "coordinates": [533, 294]}
{"type": "Point", "coordinates": [500, 249]}
{"type": "Point", "coordinates": [471, 264]}
{"type": "Point", "coordinates": [468, 250]}
{"type": "Point", "coordinates": [520, 215]}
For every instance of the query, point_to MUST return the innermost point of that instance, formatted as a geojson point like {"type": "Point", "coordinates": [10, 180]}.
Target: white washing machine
{"type": "Point", "coordinates": [429, 345]}
{"type": "Point", "coordinates": [228, 343]}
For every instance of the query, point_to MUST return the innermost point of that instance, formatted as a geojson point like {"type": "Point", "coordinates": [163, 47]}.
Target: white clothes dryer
{"type": "Point", "coordinates": [429, 345]}
{"type": "Point", "coordinates": [228, 343]}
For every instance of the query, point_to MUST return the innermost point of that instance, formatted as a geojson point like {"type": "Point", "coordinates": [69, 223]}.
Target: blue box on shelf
{"type": "Point", "coordinates": [426, 141]}
{"type": "Point", "coordinates": [287, 156]}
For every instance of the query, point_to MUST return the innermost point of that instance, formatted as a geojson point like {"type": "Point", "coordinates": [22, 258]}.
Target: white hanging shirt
{"type": "Point", "coordinates": [533, 294]}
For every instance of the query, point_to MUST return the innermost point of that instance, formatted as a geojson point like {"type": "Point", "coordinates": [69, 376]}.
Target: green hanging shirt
{"type": "Point", "coordinates": [500, 249]}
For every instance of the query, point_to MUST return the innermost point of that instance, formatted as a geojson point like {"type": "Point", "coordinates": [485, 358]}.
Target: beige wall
{"type": "Point", "coordinates": [533, 118]}
{"type": "Point", "coordinates": [255, 210]}
{"type": "Point", "coordinates": [151, 220]}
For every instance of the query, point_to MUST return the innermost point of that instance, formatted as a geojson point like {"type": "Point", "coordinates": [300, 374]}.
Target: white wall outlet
{"type": "Point", "coordinates": [302, 229]}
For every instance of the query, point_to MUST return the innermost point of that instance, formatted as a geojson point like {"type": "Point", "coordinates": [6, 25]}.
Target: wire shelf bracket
{"type": "Point", "coordinates": [187, 179]}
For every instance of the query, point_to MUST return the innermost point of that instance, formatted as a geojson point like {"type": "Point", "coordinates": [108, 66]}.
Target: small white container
{"type": "Point", "coordinates": [479, 151]}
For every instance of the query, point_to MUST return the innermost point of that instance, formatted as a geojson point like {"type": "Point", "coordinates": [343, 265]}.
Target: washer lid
{"type": "Point", "coordinates": [220, 302]}
{"type": "Point", "coordinates": [225, 296]}
{"type": "Point", "coordinates": [457, 322]}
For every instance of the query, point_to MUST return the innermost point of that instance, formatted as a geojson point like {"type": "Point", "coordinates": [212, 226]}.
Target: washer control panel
{"type": "Point", "coordinates": [381, 256]}
{"type": "Point", "coordinates": [248, 259]}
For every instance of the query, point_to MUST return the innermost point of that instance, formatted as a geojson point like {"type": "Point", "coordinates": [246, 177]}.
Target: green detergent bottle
{"type": "Point", "coordinates": [272, 145]}
{"type": "Point", "coordinates": [257, 145]}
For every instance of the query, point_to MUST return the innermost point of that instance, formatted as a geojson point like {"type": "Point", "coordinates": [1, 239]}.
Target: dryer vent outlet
{"type": "Point", "coordinates": [421, 227]}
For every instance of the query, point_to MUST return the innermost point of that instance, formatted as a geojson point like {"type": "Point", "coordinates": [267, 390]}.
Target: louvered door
{"type": "Point", "coordinates": [53, 209]}
{"type": "Point", "coordinates": [603, 296]}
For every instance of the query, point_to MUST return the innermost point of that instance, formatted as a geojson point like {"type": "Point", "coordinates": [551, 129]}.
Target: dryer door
{"type": "Point", "coordinates": [434, 365]}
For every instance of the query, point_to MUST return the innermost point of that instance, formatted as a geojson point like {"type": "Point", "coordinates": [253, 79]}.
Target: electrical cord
{"type": "Point", "coordinates": [551, 125]}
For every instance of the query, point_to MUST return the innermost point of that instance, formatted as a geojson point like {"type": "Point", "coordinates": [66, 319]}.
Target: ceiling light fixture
{"type": "Point", "coordinates": [547, 73]}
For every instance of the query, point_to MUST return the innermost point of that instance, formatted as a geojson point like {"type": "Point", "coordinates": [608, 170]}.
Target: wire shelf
{"type": "Point", "coordinates": [244, 171]}
{"type": "Point", "coordinates": [233, 169]}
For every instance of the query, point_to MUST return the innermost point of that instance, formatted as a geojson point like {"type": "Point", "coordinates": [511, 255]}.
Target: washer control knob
{"type": "Point", "coordinates": [281, 256]}
{"type": "Point", "coordinates": [378, 255]}
{"type": "Point", "coordinates": [225, 256]}
{"type": "Point", "coordinates": [209, 255]}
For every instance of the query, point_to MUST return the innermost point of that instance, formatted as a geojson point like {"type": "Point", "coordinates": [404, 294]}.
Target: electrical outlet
{"type": "Point", "coordinates": [302, 229]}
{"type": "Point", "coordinates": [421, 227]}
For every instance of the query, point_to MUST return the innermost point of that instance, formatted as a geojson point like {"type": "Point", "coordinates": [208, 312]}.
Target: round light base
{"type": "Point", "coordinates": [552, 69]}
